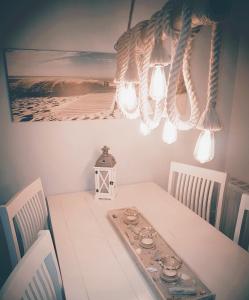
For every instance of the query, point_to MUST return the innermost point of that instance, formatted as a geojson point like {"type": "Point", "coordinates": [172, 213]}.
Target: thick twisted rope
{"type": "Point", "coordinates": [209, 119]}
{"type": "Point", "coordinates": [194, 108]}
{"type": "Point", "coordinates": [145, 33]}
{"type": "Point", "coordinates": [153, 28]}
{"type": "Point", "coordinates": [122, 55]}
{"type": "Point", "coordinates": [176, 67]}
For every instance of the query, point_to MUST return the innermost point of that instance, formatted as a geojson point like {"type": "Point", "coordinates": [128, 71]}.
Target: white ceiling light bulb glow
{"type": "Point", "coordinates": [204, 149]}
{"type": "Point", "coordinates": [128, 97]}
{"type": "Point", "coordinates": [144, 129]}
{"type": "Point", "coordinates": [158, 85]}
{"type": "Point", "coordinates": [169, 135]}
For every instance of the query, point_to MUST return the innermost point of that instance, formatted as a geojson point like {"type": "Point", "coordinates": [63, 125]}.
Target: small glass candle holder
{"type": "Point", "coordinates": [171, 262]}
{"type": "Point", "coordinates": [169, 275]}
{"type": "Point", "coordinates": [131, 216]}
{"type": "Point", "coordinates": [147, 237]}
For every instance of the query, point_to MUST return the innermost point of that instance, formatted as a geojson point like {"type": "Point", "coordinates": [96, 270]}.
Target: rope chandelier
{"type": "Point", "coordinates": [148, 78]}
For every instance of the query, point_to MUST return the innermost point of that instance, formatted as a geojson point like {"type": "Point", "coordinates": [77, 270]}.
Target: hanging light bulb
{"type": "Point", "coordinates": [158, 86]}
{"type": "Point", "coordinates": [169, 135]}
{"type": "Point", "coordinates": [154, 124]}
{"type": "Point", "coordinates": [144, 129]}
{"type": "Point", "coordinates": [158, 60]}
{"type": "Point", "coordinates": [204, 149]}
{"type": "Point", "coordinates": [128, 97]}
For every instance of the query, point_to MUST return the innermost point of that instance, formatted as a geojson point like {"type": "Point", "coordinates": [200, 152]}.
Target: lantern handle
{"type": "Point", "coordinates": [105, 150]}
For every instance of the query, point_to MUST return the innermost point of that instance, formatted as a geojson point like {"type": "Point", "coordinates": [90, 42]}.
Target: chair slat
{"type": "Point", "coordinates": [38, 211]}
{"type": "Point", "coordinates": [193, 191]}
{"type": "Point", "coordinates": [183, 178]}
{"type": "Point", "coordinates": [185, 188]}
{"type": "Point", "coordinates": [210, 193]}
{"type": "Point", "coordinates": [201, 195]}
{"type": "Point", "coordinates": [31, 214]}
{"type": "Point", "coordinates": [28, 235]}
{"type": "Point", "coordinates": [28, 215]}
{"type": "Point", "coordinates": [205, 200]}
{"type": "Point", "coordinates": [197, 193]}
{"type": "Point", "coordinates": [49, 283]}
{"type": "Point", "coordinates": [20, 220]}
{"type": "Point", "coordinates": [178, 184]}
{"type": "Point", "coordinates": [189, 191]}
{"type": "Point", "coordinates": [35, 213]}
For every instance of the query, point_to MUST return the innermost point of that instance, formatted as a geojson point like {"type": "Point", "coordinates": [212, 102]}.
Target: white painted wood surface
{"type": "Point", "coordinates": [194, 188]}
{"type": "Point", "coordinates": [96, 265]}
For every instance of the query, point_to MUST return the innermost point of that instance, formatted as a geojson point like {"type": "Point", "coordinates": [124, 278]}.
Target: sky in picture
{"type": "Point", "coordinates": [93, 65]}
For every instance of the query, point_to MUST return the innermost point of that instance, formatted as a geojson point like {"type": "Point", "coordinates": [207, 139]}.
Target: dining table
{"type": "Point", "coordinates": [95, 264]}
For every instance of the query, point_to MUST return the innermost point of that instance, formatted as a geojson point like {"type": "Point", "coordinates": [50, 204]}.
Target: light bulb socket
{"type": "Point", "coordinates": [159, 55]}
{"type": "Point", "coordinates": [209, 120]}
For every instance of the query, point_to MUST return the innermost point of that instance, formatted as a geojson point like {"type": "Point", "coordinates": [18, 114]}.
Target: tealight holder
{"type": "Point", "coordinates": [170, 266]}
{"type": "Point", "coordinates": [131, 216]}
{"type": "Point", "coordinates": [169, 275]}
{"type": "Point", "coordinates": [147, 237]}
{"type": "Point", "coordinates": [171, 262]}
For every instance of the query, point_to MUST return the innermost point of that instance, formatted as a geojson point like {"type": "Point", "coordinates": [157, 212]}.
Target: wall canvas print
{"type": "Point", "coordinates": [61, 85]}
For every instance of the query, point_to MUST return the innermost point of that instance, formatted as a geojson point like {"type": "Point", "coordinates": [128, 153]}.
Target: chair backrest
{"type": "Point", "coordinates": [22, 218]}
{"type": "Point", "coordinates": [37, 275]}
{"type": "Point", "coordinates": [198, 188]}
{"type": "Point", "coordinates": [244, 206]}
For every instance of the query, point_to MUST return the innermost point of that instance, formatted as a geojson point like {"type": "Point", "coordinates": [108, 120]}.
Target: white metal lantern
{"type": "Point", "coordinates": [105, 176]}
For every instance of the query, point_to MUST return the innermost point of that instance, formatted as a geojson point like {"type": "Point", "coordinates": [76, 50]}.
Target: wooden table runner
{"type": "Point", "coordinates": [168, 275]}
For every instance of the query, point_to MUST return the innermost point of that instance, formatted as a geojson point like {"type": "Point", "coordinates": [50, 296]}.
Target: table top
{"type": "Point", "coordinates": [96, 265]}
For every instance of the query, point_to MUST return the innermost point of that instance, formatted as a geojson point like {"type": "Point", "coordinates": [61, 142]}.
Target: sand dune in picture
{"type": "Point", "coordinates": [61, 98]}
{"type": "Point", "coordinates": [87, 106]}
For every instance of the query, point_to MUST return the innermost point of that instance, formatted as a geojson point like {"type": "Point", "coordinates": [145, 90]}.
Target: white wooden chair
{"type": "Point", "coordinates": [244, 206]}
{"type": "Point", "coordinates": [37, 275]}
{"type": "Point", "coordinates": [22, 218]}
{"type": "Point", "coordinates": [197, 188]}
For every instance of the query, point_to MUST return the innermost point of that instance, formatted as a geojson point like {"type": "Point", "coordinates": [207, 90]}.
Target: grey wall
{"type": "Point", "coordinates": [237, 158]}
{"type": "Point", "coordinates": [63, 153]}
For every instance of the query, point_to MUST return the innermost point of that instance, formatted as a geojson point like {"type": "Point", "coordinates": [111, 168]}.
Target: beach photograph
{"type": "Point", "coordinates": [60, 85]}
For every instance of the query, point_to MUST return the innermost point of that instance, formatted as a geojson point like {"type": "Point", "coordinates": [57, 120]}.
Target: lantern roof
{"type": "Point", "coordinates": [105, 160]}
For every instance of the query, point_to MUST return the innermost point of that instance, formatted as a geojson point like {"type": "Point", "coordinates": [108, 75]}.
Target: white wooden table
{"type": "Point", "coordinates": [96, 265]}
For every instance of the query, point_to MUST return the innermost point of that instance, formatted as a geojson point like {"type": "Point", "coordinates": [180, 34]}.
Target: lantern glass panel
{"type": "Point", "coordinates": [104, 181]}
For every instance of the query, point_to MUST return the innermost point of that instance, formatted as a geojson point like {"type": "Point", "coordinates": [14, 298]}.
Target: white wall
{"type": "Point", "coordinates": [63, 153]}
